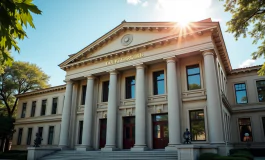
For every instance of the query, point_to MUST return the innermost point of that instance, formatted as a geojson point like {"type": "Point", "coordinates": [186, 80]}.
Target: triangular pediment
{"type": "Point", "coordinates": [131, 34]}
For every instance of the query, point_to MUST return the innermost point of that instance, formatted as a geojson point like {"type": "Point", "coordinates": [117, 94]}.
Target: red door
{"type": "Point", "coordinates": [128, 132]}
{"type": "Point", "coordinates": [103, 129]}
{"type": "Point", "coordinates": [160, 131]}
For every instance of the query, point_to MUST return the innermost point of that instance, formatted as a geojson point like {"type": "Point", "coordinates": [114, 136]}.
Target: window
{"type": "Point", "coordinates": [40, 131]}
{"type": "Point", "coordinates": [193, 77]}
{"type": "Point", "coordinates": [33, 108]}
{"type": "Point", "coordinates": [29, 136]}
{"type": "Point", "coordinates": [105, 91]}
{"type": "Point", "coordinates": [261, 90]}
{"type": "Point", "coordinates": [263, 123]}
{"type": "Point", "coordinates": [19, 138]}
{"type": "Point", "coordinates": [43, 107]}
{"type": "Point", "coordinates": [245, 128]}
{"type": "Point", "coordinates": [83, 98]}
{"type": "Point", "coordinates": [241, 93]}
{"type": "Point", "coordinates": [23, 113]}
{"type": "Point", "coordinates": [130, 87]}
{"type": "Point", "coordinates": [80, 132]}
{"type": "Point", "coordinates": [54, 105]}
{"type": "Point", "coordinates": [197, 125]}
{"type": "Point", "coordinates": [50, 135]}
{"type": "Point", "coordinates": [159, 82]}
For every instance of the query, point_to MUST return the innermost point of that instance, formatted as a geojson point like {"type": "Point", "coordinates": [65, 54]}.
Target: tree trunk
{"type": "Point", "coordinates": [2, 145]}
{"type": "Point", "coordinates": [7, 144]}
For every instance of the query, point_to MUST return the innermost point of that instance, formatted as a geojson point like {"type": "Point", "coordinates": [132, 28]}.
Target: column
{"type": "Point", "coordinates": [112, 114]}
{"type": "Point", "coordinates": [140, 110]}
{"type": "Point", "coordinates": [213, 100]}
{"type": "Point", "coordinates": [174, 123]}
{"type": "Point", "coordinates": [63, 143]}
{"type": "Point", "coordinates": [88, 116]}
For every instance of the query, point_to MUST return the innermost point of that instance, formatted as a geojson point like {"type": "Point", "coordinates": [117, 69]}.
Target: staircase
{"type": "Point", "coordinates": [117, 155]}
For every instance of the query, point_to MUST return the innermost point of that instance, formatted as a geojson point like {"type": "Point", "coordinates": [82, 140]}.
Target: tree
{"type": "Point", "coordinates": [248, 19]}
{"type": "Point", "coordinates": [20, 78]}
{"type": "Point", "coordinates": [15, 15]}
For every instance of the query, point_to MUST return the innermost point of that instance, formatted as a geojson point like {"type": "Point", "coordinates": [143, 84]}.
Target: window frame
{"type": "Point", "coordinates": [53, 105]}
{"type": "Point", "coordinates": [127, 85]}
{"type": "Point", "coordinates": [155, 81]}
{"type": "Point", "coordinates": [257, 80]}
{"type": "Point", "coordinates": [205, 124]}
{"type": "Point", "coordinates": [29, 136]}
{"type": "Point", "coordinates": [32, 114]}
{"type": "Point", "coordinates": [105, 98]}
{"type": "Point", "coordinates": [38, 131]}
{"type": "Point", "coordinates": [187, 75]}
{"type": "Point", "coordinates": [50, 137]}
{"type": "Point", "coordinates": [240, 90]}
{"type": "Point", "coordinates": [238, 128]}
{"type": "Point", "coordinates": [19, 136]}
{"type": "Point", "coordinates": [83, 94]}
{"type": "Point", "coordinates": [80, 131]}
{"type": "Point", "coordinates": [42, 107]}
{"type": "Point", "coordinates": [24, 110]}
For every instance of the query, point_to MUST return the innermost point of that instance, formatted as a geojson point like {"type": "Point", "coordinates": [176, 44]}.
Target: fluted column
{"type": "Point", "coordinates": [173, 105]}
{"type": "Point", "coordinates": [63, 143]}
{"type": "Point", "coordinates": [140, 110]}
{"type": "Point", "coordinates": [112, 114]}
{"type": "Point", "coordinates": [213, 100]}
{"type": "Point", "coordinates": [88, 116]}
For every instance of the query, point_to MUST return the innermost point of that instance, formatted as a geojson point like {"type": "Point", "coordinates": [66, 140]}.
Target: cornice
{"type": "Point", "coordinates": [41, 91]}
{"type": "Point", "coordinates": [245, 70]}
{"type": "Point", "coordinates": [147, 45]}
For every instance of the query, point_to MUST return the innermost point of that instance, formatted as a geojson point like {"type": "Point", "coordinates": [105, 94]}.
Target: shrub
{"type": "Point", "coordinates": [243, 154]}
{"type": "Point", "coordinates": [208, 156]}
{"type": "Point", "coordinates": [230, 158]}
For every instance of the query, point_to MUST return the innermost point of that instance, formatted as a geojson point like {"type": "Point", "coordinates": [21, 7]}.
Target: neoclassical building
{"type": "Point", "coordinates": [140, 86]}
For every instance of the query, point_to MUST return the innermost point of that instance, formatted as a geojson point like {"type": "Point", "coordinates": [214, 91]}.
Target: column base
{"type": "Point", "coordinates": [171, 148]}
{"type": "Point", "coordinates": [109, 148]}
{"type": "Point", "coordinates": [63, 147]}
{"type": "Point", "coordinates": [137, 148]}
{"type": "Point", "coordinates": [84, 148]}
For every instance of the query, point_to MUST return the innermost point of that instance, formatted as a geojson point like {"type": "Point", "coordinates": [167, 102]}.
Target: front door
{"type": "Point", "coordinates": [103, 128]}
{"type": "Point", "coordinates": [160, 131]}
{"type": "Point", "coordinates": [128, 132]}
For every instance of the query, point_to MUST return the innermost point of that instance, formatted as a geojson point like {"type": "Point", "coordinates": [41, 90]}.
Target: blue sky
{"type": "Point", "coordinates": [65, 27]}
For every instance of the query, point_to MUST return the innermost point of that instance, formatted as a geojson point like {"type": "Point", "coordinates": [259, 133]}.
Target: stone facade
{"type": "Point", "coordinates": [182, 56]}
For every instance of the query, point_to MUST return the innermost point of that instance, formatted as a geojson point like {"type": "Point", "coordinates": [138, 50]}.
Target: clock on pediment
{"type": "Point", "coordinates": [126, 39]}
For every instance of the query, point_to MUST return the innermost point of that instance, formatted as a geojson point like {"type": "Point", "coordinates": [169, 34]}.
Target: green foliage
{"type": "Point", "coordinates": [248, 19]}
{"type": "Point", "coordinates": [15, 15]}
{"type": "Point", "coordinates": [243, 153]}
{"type": "Point", "coordinates": [6, 125]}
{"type": "Point", "coordinates": [208, 156]}
{"type": "Point", "coordinates": [230, 158]}
{"type": "Point", "coordinates": [20, 78]}
{"type": "Point", "coordinates": [19, 155]}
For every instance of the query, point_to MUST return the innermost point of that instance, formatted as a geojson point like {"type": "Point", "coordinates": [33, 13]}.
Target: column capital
{"type": "Point", "coordinates": [68, 81]}
{"type": "Point", "coordinates": [171, 59]}
{"type": "Point", "coordinates": [112, 72]}
{"type": "Point", "coordinates": [207, 52]}
{"type": "Point", "coordinates": [90, 77]}
{"type": "Point", "coordinates": [140, 66]}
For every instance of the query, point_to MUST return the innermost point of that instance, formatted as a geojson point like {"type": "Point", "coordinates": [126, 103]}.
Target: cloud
{"type": "Point", "coordinates": [145, 4]}
{"type": "Point", "coordinates": [247, 63]}
{"type": "Point", "coordinates": [134, 2]}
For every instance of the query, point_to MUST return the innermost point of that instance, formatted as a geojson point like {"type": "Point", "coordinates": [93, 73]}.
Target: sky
{"type": "Point", "coordinates": [65, 27]}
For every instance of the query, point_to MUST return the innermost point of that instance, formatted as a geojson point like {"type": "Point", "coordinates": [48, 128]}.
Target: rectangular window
{"type": "Point", "coordinates": [19, 138]}
{"type": "Point", "coordinates": [80, 133]}
{"type": "Point", "coordinates": [263, 123]}
{"type": "Point", "coordinates": [261, 90]}
{"type": "Point", "coordinates": [245, 129]}
{"type": "Point", "coordinates": [159, 82]}
{"type": "Point", "coordinates": [54, 105]}
{"type": "Point", "coordinates": [29, 136]}
{"type": "Point", "coordinates": [193, 77]}
{"type": "Point", "coordinates": [33, 108]}
{"type": "Point", "coordinates": [241, 93]}
{"type": "Point", "coordinates": [50, 135]}
{"type": "Point", "coordinates": [197, 125]}
{"type": "Point", "coordinates": [43, 107]}
{"type": "Point", "coordinates": [105, 91]}
{"type": "Point", "coordinates": [83, 98]}
{"type": "Point", "coordinates": [24, 107]}
{"type": "Point", "coordinates": [130, 87]}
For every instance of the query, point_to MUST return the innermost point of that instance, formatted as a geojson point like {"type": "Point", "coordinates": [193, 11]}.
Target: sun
{"type": "Point", "coordinates": [183, 11]}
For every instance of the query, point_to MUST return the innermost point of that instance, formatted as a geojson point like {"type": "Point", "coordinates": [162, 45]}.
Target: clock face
{"type": "Point", "coordinates": [126, 39]}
